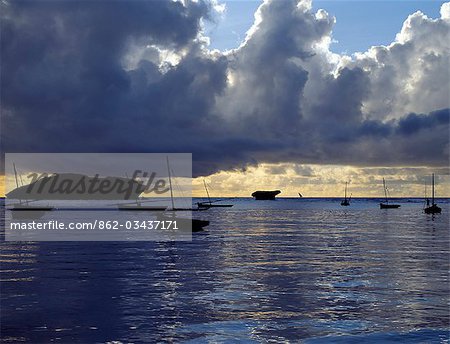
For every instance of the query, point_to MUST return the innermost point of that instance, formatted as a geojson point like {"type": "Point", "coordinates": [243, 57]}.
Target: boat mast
{"type": "Point", "coordinates": [209, 198]}
{"type": "Point", "coordinates": [15, 175]}
{"type": "Point", "coordinates": [170, 183]}
{"type": "Point", "coordinates": [345, 194]}
{"type": "Point", "coordinates": [432, 194]}
{"type": "Point", "coordinates": [427, 201]}
{"type": "Point", "coordinates": [385, 190]}
{"type": "Point", "coordinates": [17, 182]}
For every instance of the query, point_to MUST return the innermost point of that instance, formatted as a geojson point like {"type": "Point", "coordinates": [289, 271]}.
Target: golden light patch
{"type": "Point", "coordinates": [324, 181]}
{"type": "Point", "coordinates": [310, 181]}
{"type": "Point", "coordinates": [2, 186]}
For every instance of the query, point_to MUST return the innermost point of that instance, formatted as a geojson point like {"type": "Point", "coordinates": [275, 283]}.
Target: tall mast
{"type": "Point", "coordinates": [345, 197]}
{"type": "Point", "coordinates": [170, 183]}
{"type": "Point", "coordinates": [17, 182]}
{"type": "Point", "coordinates": [15, 175]}
{"type": "Point", "coordinates": [209, 198]}
{"type": "Point", "coordinates": [385, 190]}
{"type": "Point", "coordinates": [432, 197]}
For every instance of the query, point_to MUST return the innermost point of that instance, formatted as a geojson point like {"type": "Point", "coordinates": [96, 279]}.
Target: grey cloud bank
{"type": "Point", "coordinates": [137, 76]}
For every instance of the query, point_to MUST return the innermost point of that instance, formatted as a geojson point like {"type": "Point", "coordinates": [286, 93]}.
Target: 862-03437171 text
{"type": "Point", "coordinates": [97, 224]}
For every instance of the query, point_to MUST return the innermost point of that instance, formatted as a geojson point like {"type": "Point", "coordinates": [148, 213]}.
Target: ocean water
{"type": "Point", "coordinates": [290, 270]}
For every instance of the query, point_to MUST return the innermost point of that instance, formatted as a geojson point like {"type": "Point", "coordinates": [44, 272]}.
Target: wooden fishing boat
{"type": "Point", "coordinates": [433, 208]}
{"type": "Point", "coordinates": [386, 204]}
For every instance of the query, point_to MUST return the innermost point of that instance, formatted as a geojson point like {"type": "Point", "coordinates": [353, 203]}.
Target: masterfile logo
{"type": "Point", "coordinates": [98, 196]}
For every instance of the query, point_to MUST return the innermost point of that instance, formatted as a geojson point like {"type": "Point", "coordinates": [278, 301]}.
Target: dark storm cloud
{"type": "Point", "coordinates": [414, 123]}
{"type": "Point", "coordinates": [65, 86]}
{"type": "Point", "coordinates": [68, 85]}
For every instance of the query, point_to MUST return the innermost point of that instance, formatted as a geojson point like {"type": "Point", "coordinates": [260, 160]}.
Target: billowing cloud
{"type": "Point", "coordinates": [138, 76]}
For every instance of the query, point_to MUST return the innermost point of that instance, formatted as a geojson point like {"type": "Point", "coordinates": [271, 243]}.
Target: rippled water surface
{"type": "Point", "coordinates": [289, 270]}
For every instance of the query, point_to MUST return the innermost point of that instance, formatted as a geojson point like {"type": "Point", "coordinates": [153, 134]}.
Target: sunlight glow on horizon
{"type": "Point", "coordinates": [323, 181]}
{"type": "Point", "coordinates": [312, 181]}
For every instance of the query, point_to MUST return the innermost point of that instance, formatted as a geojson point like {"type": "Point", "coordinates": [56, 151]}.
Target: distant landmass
{"type": "Point", "coordinates": [265, 195]}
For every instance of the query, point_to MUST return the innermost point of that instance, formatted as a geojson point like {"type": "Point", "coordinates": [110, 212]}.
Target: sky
{"type": "Point", "coordinates": [296, 95]}
{"type": "Point", "coordinates": [359, 24]}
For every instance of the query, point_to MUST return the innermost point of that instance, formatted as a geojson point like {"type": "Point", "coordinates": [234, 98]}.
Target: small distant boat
{"type": "Point", "coordinates": [190, 209]}
{"type": "Point", "coordinates": [346, 201]}
{"type": "Point", "coordinates": [389, 206]}
{"type": "Point", "coordinates": [386, 204]}
{"type": "Point", "coordinates": [197, 224]}
{"type": "Point", "coordinates": [433, 208]}
{"type": "Point", "coordinates": [138, 206]}
{"type": "Point", "coordinates": [23, 209]}
{"type": "Point", "coordinates": [27, 207]}
{"type": "Point", "coordinates": [210, 204]}
{"type": "Point", "coordinates": [265, 195]}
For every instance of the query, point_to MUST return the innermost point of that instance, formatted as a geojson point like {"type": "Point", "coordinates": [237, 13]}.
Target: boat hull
{"type": "Point", "coordinates": [207, 205]}
{"type": "Point", "coordinates": [141, 208]}
{"type": "Point", "coordinates": [197, 225]}
{"type": "Point", "coordinates": [389, 206]}
{"type": "Point", "coordinates": [434, 209]}
{"type": "Point", "coordinates": [27, 212]}
{"type": "Point", "coordinates": [32, 209]}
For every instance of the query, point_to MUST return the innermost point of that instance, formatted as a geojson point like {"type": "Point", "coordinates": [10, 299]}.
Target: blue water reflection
{"type": "Point", "coordinates": [281, 271]}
